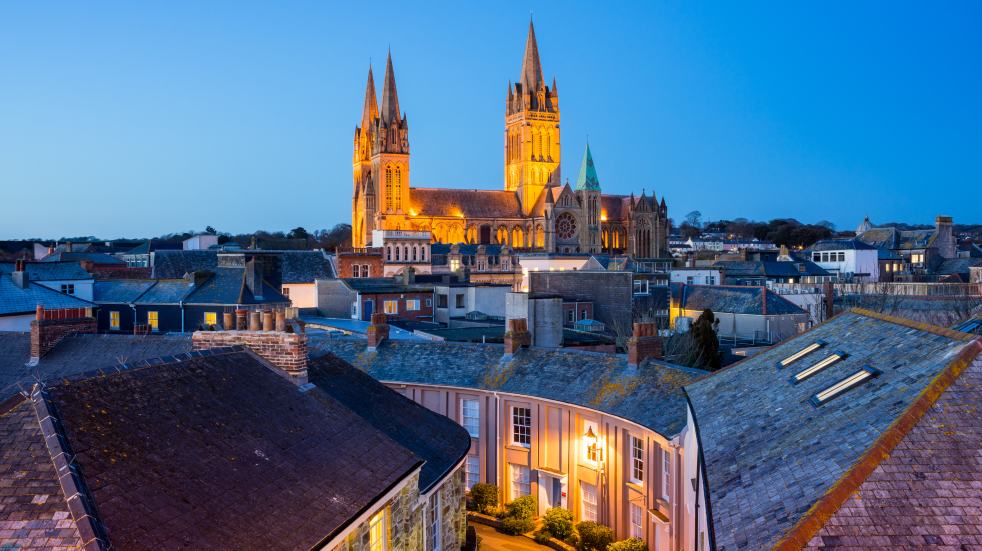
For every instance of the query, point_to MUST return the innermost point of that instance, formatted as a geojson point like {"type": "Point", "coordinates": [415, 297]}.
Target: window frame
{"type": "Point", "coordinates": [114, 320]}
{"type": "Point", "coordinates": [153, 320]}
{"type": "Point", "coordinates": [637, 460]}
{"type": "Point", "coordinates": [476, 416]}
{"type": "Point", "coordinates": [395, 307]}
{"type": "Point", "coordinates": [68, 289]}
{"type": "Point", "coordinates": [412, 304]}
{"type": "Point", "coordinates": [666, 475]}
{"type": "Point", "coordinates": [516, 435]}
{"type": "Point", "coordinates": [588, 508]}
{"type": "Point", "coordinates": [378, 532]}
{"type": "Point", "coordinates": [472, 471]}
{"type": "Point", "coordinates": [520, 485]}
{"type": "Point", "coordinates": [635, 521]}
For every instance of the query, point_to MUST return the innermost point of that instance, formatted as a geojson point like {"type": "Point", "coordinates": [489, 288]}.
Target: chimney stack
{"type": "Point", "coordinates": [643, 344]}
{"type": "Point", "coordinates": [378, 331]}
{"type": "Point", "coordinates": [517, 336]}
{"type": "Point", "coordinates": [945, 240]}
{"type": "Point", "coordinates": [51, 326]}
{"type": "Point", "coordinates": [19, 275]}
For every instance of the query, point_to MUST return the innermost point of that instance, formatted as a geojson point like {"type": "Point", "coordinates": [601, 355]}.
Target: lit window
{"type": "Point", "coordinates": [520, 485]}
{"type": "Point", "coordinates": [801, 353]}
{"type": "Point", "coordinates": [470, 417]}
{"type": "Point", "coordinates": [472, 470]}
{"type": "Point", "coordinates": [849, 382]}
{"type": "Point", "coordinates": [521, 422]}
{"type": "Point", "coordinates": [637, 521]}
{"type": "Point", "coordinates": [412, 304]}
{"type": "Point", "coordinates": [666, 475]}
{"type": "Point", "coordinates": [153, 321]}
{"type": "Point", "coordinates": [211, 318]}
{"type": "Point", "coordinates": [68, 288]}
{"type": "Point", "coordinates": [378, 534]}
{"type": "Point", "coordinates": [114, 320]}
{"type": "Point", "coordinates": [637, 459]}
{"type": "Point", "coordinates": [820, 365]}
{"type": "Point", "coordinates": [391, 307]}
{"type": "Point", "coordinates": [588, 502]}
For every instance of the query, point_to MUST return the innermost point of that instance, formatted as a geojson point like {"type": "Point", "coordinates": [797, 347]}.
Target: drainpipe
{"type": "Point", "coordinates": [182, 316]}
{"type": "Point", "coordinates": [497, 439]}
{"type": "Point", "coordinates": [133, 306]}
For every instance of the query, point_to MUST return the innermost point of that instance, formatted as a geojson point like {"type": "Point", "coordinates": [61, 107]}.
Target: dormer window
{"type": "Point", "coordinates": [850, 382]}
{"type": "Point", "coordinates": [800, 354]}
{"type": "Point", "coordinates": [822, 364]}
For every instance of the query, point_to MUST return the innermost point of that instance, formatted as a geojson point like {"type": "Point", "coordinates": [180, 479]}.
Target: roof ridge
{"type": "Point", "coordinates": [822, 510]}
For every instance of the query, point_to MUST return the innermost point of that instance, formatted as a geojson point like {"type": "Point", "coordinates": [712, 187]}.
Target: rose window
{"type": "Point", "coordinates": [566, 226]}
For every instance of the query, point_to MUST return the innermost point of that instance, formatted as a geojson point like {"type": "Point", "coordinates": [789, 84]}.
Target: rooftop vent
{"type": "Point", "coordinates": [850, 382]}
{"type": "Point", "coordinates": [800, 354]}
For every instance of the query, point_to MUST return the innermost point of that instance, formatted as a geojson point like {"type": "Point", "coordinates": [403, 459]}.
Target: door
{"type": "Point", "coordinates": [369, 308]}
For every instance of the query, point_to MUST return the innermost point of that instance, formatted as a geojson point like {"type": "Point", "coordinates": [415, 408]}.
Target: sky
{"type": "Point", "coordinates": [145, 118]}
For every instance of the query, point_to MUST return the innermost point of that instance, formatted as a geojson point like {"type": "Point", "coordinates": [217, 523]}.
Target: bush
{"type": "Point", "coordinates": [593, 536]}
{"type": "Point", "coordinates": [630, 544]}
{"type": "Point", "coordinates": [523, 508]}
{"type": "Point", "coordinates": [515, 525]}
{"type": "Point", "coordinates": [559, 523]}
{"type": "Point", "coordinates": [542, 537]}
{"type": "Point", "coordinates": [485, 497]}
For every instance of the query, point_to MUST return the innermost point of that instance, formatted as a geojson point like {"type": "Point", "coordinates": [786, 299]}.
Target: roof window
{"type": "Point", "coordinates": [852, 381]}
{"type": "Point", "coordinates": [800, 354]}
{"type": "Point", "coordinates": [820, 365]}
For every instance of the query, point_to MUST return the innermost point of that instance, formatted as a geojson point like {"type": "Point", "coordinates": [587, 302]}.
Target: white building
{"type": "Point", "coordinates": [696, 276]}
{"type": "Point", "coordinates": [201, 242]}
{"type": "Point", "coordinates": [403, 248]}
{"type": "Point", "coordinates": [850, 259]}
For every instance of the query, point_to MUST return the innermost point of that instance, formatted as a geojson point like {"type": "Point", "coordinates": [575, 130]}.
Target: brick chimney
{"type": "Point", "coordinates": [643, 344]}
{"type": "Point", "coordinates": [51, 326]}
{"type": "Point", "coordinates": [286, 351]}
{"type": "Point", "coordinates": [517, 336]}
{"type": "Point", "coordinates": [945, 240]}
{"type": "Point", "coordinates": [409, 275]}
{"type": "Point", "coordinates": [378, 331]}
{"type": "Point", "coordinates": [19, 275]}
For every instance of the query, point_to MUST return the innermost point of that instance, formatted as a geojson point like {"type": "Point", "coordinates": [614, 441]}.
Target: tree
{"type": "Point", "coordinates": [704, 334]}
{"type": "Point", "coordinates": [298, 233]}
{"type": "Point", "coordinates": [211, 230]}
{"type": "Point", "coordinates": [687, 230]}
{"type": "Point", "coordinates": [694, 218]}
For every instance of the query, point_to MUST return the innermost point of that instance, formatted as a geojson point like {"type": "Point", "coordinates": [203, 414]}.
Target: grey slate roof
{"type": "Point", "coordinates": [736, 299]}
{"type": "Point", "coordinates": [305, 266]}
{"type": "Point", "coordinates": [957, 266]}
{"type": "Point", "coordinates": [841, 245]}
{"type": "Point", "coordinates": [166, 291]}
{"type": "Point", "coordinates": [78, 353]}
{"type": "Point", "coordinates": [227, 286]}
{"type": "Point", "coordinates": [745, 268]}
{"type": "Point", "coordinates": [174, 264]}
{"type": "Point", "coordinates": [49, 271]}
{"type": "Point", "coordinates": [98, 258]}
{"type": "Point", "coordinates": [368, 285]}
{"type": "Point", "coordinates": [770, 454]}
{"type": "Point", "coordinates": [120, 291]}
{"type": "Point", "coordinates": [650, 396]}
{"type": "Point", "coordinates": [14, 300]}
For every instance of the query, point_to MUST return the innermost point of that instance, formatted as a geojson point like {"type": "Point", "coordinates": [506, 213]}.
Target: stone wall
{"type": "Point", "coordinates": [287, 351]}
{"type": "Point", "coordinates": [46, 333]}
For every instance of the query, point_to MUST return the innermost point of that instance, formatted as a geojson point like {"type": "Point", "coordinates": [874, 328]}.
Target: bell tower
{"type": "Point", "coordinates": [390, 157]}
{"type": "Point", "coordinates": [531, 130]}
{"type": "Point", "coordinates": [363, 196]}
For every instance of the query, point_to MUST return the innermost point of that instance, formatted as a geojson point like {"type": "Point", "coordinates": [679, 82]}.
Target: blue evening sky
{"type": "Point", "coordinates": [140, 118]}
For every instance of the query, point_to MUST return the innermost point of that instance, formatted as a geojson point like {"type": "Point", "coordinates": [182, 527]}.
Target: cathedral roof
{"type": "Point", "coordinates": [465, 203]}
{"type": "Point", "coordinates": [588, 173]}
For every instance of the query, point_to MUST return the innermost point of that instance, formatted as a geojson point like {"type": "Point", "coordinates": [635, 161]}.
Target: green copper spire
{"type": "Point", "coordinates": [588, 173]}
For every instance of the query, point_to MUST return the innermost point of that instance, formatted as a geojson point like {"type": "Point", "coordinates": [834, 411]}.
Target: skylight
{"type": "Point", "coordinates": [822, 364]}
{"type": "Point", "coordinates": [801, 354]}
{"type": "Point", "coordinates": [849, 382]}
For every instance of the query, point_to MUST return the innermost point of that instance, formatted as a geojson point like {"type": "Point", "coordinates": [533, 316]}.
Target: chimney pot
{"type": "Point", "coordinates": [268, 320]}
{"type": "Point", "coordinates": [281, 320]}
{"type": "Point", "coordinates": [241, 321]}
{"type": "Point", "coordinates": [228, 321]}
{"type": "Point", "coordinates": [255, 323]}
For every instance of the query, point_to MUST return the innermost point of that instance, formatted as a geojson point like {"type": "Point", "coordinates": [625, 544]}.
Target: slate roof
{"type": "Point", "coordinates": [748, 268]}
{"type": "Point", "coordinates": [770, 455]}
{"type": "Point", "coordinates": [120, 291]}
{"type": "Point", "coordinates": [736, 299]}
{"type": "Point", "coordinates": [891, 238]}
{"type": "Point", "coordinates": [98, 258]}
{"type": "Point", "coordinates": [368, 285]}
{"type": "Point", "coordinates": [49, 271]}
{"type": "Point", "coordinates": [174, 264]}
{"type": "Point", "coordinates": [228, 286]}
{"type": "Point", "coordinates": [437, 440]}
{"type": "Point", "coordinates": [166, 291]}
{"type": "Point", "coordinates": [14, 300]}
{"type": "Point", "coordinates": [76, 354]}
{"type": "Point", "coordinates": [305, 266]}
{"type": "Point", "coordinates": [840, 245]}
{"type": "Point", "coordinates": [650, 396]}
{"type": "Point", "coordinates": [231, 442]}
{"type": "Point", "coordinates": [957, 266]}
{"type": "Point", "coordinates": [933, 478]}
{"type": "Point", "coordinates": [468, 203]}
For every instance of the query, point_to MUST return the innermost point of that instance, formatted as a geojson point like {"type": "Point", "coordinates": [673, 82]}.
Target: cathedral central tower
{"type": "Point", "coordinates": [531, 131]}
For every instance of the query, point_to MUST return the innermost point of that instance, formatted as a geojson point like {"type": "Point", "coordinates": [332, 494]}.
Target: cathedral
{"type": "Point", "coordinates": [535, 211]}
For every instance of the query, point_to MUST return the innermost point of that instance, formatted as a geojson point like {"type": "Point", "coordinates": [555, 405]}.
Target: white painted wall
{"type": "Point", "coordinates": [20, 324]}
{"type": "Point", "coordinates": [700, 276]}
{"type": "Point", "coordinates": [84, 288]}
{"type": "Point", "coordinates": [302, 295]}
{"type": "Point", "coordinates": [856, 262]}
{"type": "Point", "coordinates": [200, 242]}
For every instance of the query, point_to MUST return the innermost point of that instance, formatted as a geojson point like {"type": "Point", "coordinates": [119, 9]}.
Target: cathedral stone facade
{"type": "Point", "coordinates": [535, 211]}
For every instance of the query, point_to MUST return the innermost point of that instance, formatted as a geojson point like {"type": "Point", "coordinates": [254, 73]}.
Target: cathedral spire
{"type": "Point", "coordinates": [531, 66]}
{"type": "Point", "coordinates": [390, 99]}
{"type": "Point", "coordinates": [370, 110]}
{"type": "Point", "coordinates": [587, 180]}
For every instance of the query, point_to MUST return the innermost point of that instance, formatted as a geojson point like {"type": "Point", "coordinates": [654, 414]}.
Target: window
{"type": "Point", "coordinates": [849, 382]}
{"type": "Point", "coordinates": [588, 502]}
{"type": "Point", "coordinates": [570, 315]}
{"type": "Point", "coordinates": [114, 320]}
{"type": "Point", "coordinates": [666, 475]}
{"type": "Point", "coordinates": [711, 280]}
{"type": "Point", "coordinates": [820, 365]}
{"type": "Point", "coordinates": [211, 318]}
{"type": "Point", "coordinates": [470, 417]}
{"type": "Point", "coordinates": [801, 353]}
{"type": "Point", "coordinates": [454, 264]}
{"type": "Point", "coordinates": [429, 303]}
{"type": "Point", "coordinates": [388, 254]}
{"type": "Point", "coordinates": [355, 270]}
{"type": "Point", "coordinates": [286, 291]}
{"type": "Point", "coordinates": [68, 288]}
{"type": "Point", "coordinates": [641, 286]}
{"type": "Point", "coordinates": [583, 314]}
{"type": "Point", "coordinates": [441, 301]}
{"type": "Point", "coordinates": [459, 300]}
{"type": "Point", "coordinates": [153, 321]}
{"type": "Point", "coordinates": [472, 470]}
{"type": "Point", "coordinates": [365, 272]}
{"type": "Point", "coordinates": [521, 425]}
{"type": "Point", "coordinates": [388, 188]}
{"type": "Point", "coordinates": [378, 533]}
{"type": "Point", "coordinates": [842, 257]}
{"type": "Point", "coordinates": [689, 280]}
{"type": "Point", "coordinates": [520, 485]}
{"type": "Point", "coordinates": [433, 527]}
{"type": "Point", "coordinates": [637, 459]}
{"type": "Point", "coordinates": [816, 257]}
{"type": "Point", "coordinates": [391, 307]}
{"type": "Point", "coordinates": [637, 521]}
{"type": "Point", "coordinates": [412, 304]}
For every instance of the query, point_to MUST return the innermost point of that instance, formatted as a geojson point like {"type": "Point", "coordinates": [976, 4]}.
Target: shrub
{"type": "Point", "coordinates": [523, 508]}
{"type": "Point", "coordinates": [559, 523]}
{"type": "Point", "coordinates": [630, 544]}
{"type": "Point", "coordinates": [515, 525]}
{"type": "Point", "coordinates": [542, 537]}
{"type": "Point", "coordinates": [485, 497]}
{"type": "Point", "coordinates": [593, 536]}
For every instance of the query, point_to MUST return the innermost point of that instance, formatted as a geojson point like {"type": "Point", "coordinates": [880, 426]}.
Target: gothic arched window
{"type": "Point", "coordinates": [397, 189]}
{"type": "Point", "coordinates": [388, 188]}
